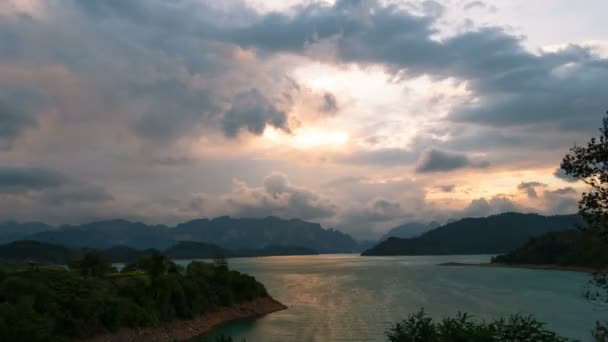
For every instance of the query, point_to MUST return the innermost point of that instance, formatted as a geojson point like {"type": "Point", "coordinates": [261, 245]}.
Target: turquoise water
{"type": "Point", "coordinates": [353, 298]}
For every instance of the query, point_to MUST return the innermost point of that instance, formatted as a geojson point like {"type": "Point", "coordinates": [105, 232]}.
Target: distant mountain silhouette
{"type": "Point", "coordinates": [490, 235]}
{"type": "Point", "coordinates": [106, 234]}
{"type": "Point", "coordinates": [409, 230]}
{"type": "Point", "coordinates": [12, 231]}
{"type": "Point", "coordinates": [38, 252]}
{"type": "Point", "coordinates": [229, 233]}
{"type": "Point", "coordinates": [248, 233]}
{"type": "Point", "coordinates": [48, 253]}
{"type": "Point", "coordinates": [565, 248]}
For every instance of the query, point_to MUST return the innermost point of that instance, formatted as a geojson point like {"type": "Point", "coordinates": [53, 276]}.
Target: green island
{"type": "Point", "coordinates": [151, 296]}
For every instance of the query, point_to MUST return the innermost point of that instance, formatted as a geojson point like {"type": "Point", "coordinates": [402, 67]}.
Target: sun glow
{"type": "Point", "coordinates": [308, 138]}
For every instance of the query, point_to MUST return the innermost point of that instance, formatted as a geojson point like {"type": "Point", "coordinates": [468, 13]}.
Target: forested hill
{"type": "Point", "coordinates": [47, 253]}
{"type": "Point", "coordinates": [489, 235]}
{"type": "Point", "coordinates": [92, 298]}
{"type": "Point", "coordinates": [226, 232]}
{"type": "Point", "coordinates": [566, 248]}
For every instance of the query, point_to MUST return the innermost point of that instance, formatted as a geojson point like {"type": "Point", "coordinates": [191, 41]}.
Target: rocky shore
{"type": "Point", "coordinates": [527, 266]}
{"type": "Point", "coordinates": [183, 330]}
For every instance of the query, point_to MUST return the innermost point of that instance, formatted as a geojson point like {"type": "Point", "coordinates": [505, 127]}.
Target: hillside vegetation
{"type": "Point", "coordinates": [42, 304]}
{"type": "Point", "coordinates": [489, 235]}
{"type": "Point", "coordinates": [566, 248]}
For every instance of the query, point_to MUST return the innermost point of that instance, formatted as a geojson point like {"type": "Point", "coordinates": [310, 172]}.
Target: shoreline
{"type": "Point", "coordinates": [548, 267]}
{"type": "Point", "coordinates": [184, 330]}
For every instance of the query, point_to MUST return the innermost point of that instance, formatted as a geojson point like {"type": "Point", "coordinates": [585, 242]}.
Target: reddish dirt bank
{"type": "Point", "coordinates": [528, 266]}
{"type": "Point", "coordinates": [182, 330]}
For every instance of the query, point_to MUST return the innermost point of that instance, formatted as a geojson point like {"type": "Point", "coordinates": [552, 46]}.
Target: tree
{"type": "Point", "coordinates": [155, 264]}
{"type": "Point", "coordinates": [93, 264]}
{"type": "Point", "coordinates": [589, 164]}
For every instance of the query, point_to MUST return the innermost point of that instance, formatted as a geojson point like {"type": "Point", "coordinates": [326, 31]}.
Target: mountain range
{"type": "Point", "coordinates": [48, 253]}
{"type": "Point", "coordinates": [409, 230]}
{"type": "Point", "coordinates": [490, 235]}
{"type": "Point", "coordinates": [275, 236]}
{"type": "Point", "coordinates": [226, 232]}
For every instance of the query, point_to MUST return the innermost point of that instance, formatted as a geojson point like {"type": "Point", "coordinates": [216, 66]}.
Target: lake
{"type": "Point", "coordinates": [354, 298]}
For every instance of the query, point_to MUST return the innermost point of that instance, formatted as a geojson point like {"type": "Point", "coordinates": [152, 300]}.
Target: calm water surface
{"type": "Point", "coordinates": [353, 298]}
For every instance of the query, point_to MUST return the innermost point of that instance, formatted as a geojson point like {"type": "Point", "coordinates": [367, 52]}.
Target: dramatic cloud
{"type": "Point", "coordinates": [440, 161]}
{"type": "Point", "coordinates": [513, 86]}
{"type": "Point", "coordinates": [530, 188]}
{"type": "Point", "coordinates": [277, 197]}
{"type": "Point", "coordinates": [149, 109]}
{"type": "Point", "coordinates": [251, 111]}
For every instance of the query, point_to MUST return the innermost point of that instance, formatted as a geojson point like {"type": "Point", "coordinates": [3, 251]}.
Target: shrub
{"type": "Point", "coordinates": [419, 327]}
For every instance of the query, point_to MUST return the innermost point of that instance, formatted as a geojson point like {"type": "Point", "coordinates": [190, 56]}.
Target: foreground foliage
{"type": "Point", "coordinates": [42, 304]}
{"type": "Point", "coordinates": [420, 327]}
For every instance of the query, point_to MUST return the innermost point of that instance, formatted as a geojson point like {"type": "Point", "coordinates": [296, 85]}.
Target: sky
{"type": "Point", "coordinates": [358, 114]}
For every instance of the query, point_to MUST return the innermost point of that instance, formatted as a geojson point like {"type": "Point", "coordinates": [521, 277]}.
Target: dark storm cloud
{"type": "Point", "coordinates": [440, 161]}
{"type": "Point", "coordinates": [530, 188]}
{"type": "Point", "coordinates": [22, 178]}
{"type": "Point", "coordinates": [250, 110]}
